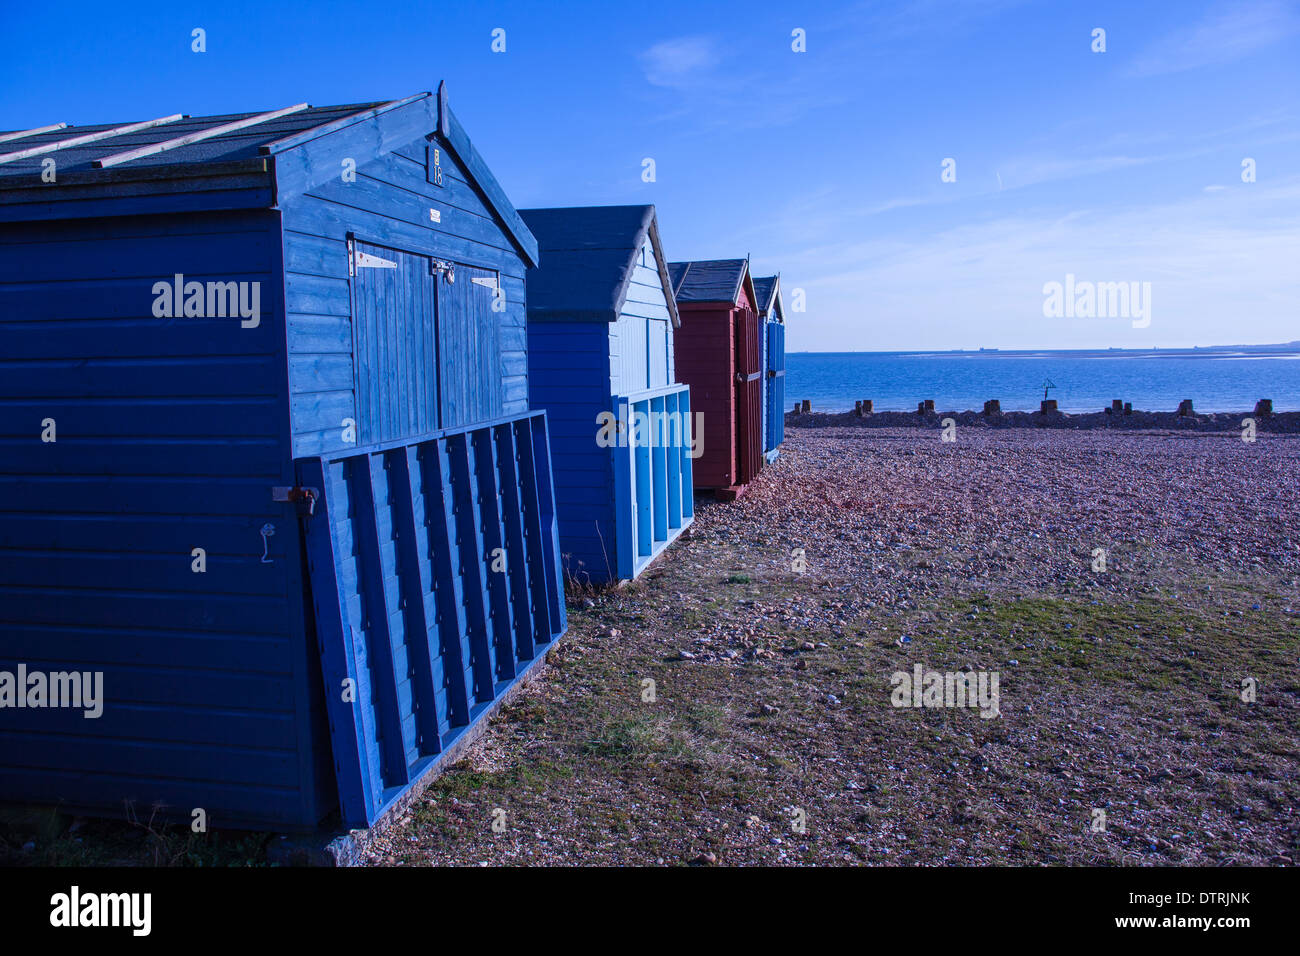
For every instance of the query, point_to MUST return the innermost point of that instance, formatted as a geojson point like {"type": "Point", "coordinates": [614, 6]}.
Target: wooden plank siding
{"type": "Point", "coordinates": [170, 433]}
{"type": "Point", "coordinates": [634, 364]}
{"type": "Point", "coordinates": [222, 689]}
{"type": "Point", "coordinates": [569, 376]}
{"type": "Point", "coordinates": [388, 205]}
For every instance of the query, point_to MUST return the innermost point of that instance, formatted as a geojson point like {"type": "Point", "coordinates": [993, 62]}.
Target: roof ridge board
{"type": "Point", "coordinates": [661, 267]}
{"type": "Point", "coordinates": [629, 265]}
{"type": "Point", "coordinates": [740, 286]}
{"type": "Point", "coordinates": [484, 180]}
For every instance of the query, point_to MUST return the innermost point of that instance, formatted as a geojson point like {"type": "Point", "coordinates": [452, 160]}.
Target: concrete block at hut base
{"type": "Point", "coordinates": [1264, 408]}
{"type": "Point", "coordinates": [1185, 407]}
{"type": "Point", "coordinates": [1048, 405]}
{"type": "Point", "coordinates": [993, 407]}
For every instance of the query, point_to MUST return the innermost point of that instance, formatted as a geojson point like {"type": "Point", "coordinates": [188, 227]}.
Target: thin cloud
{"type": "Point", "coordinates": [1224, 36]}
{"type": "Point", "coordinates": [1214, 262]}
{"type": "Point", "coordinates": [680, 63]}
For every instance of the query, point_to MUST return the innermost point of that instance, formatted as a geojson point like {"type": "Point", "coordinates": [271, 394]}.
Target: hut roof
{"type": "Point", "coordinates": [109, 159]}
{"type": "Point", "coordinates": [708, 280]}
{"type": "Point", "coordinates": [588, 255]}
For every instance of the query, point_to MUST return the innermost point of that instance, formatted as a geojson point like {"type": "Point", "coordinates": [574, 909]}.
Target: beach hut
{"type": "Point", "coordinates": [720, 358]}
{"type": "Point", "coordinates": [601, 326]}
{"type": "Point", "coordinates": [771, 336]}
{"type": "Point", "coordinates": [272, 500]}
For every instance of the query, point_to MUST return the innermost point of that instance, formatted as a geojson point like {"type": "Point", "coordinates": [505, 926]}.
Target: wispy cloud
{"type": "Point", "coordinates": [1215, 261]}
{"type": "Point", "coordinates": [1225, 35]}
{"type": "Point", "coordinates": [681, 62]}
{"type": "Point", "coordinates": [700, 89]}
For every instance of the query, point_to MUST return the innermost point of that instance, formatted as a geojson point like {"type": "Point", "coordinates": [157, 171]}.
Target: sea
{"type": "Point", "coordinates": [1216, 380]}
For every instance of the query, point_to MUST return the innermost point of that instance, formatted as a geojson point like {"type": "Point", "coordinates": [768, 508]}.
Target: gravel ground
{"type": "Point", "coordinates": [768, 735]}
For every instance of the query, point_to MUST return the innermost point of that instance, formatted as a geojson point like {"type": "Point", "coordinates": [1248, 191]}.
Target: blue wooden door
{"type": "Point", "coordinates": [469, 345]}
{"type": "Point", "coordinates": [775, 384]}
{"type": "Point", "coordinates": [394, 302]}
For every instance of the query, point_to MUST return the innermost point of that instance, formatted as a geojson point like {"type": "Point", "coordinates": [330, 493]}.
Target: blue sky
{"type": "Point", "coordinates": [1122, 166]}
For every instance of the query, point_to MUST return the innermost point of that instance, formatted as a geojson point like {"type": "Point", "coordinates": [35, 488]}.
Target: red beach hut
{"type": "Point", "coordinates": [719, 357]}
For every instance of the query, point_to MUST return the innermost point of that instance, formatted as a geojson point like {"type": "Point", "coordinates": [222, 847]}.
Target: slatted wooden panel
{"type": "Point", "coordinates": [434, 577]}
{"type": "Point", "coordinates": [653, 481]}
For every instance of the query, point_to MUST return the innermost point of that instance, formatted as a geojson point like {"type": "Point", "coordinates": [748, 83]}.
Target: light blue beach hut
{"type": "Point", "coordinates": [601, 327]}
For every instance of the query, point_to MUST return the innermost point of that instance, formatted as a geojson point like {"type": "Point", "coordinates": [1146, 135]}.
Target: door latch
{"type": "Point", "coordinates": [444, 268]}
{"type": "Point", "coordinates": [303, 498]}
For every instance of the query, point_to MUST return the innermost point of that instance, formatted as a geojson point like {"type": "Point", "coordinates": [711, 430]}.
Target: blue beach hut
{"type": "Point", "coordinates": [268, 465]}
{"type": "Point", "coordinates": [601, 326]}
{"type": "Point", "coordinates": [771, 315]}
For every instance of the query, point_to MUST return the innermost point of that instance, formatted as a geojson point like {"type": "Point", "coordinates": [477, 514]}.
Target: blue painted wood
{"type": "Point", "coordinates": [469, 538]}
{"type": "Point", "coordinates": [601, 337]}
{"type": "Point", "coordinates": [226, 685]}
{"type": "Point", "coordinates": [458, 140]}
{"type": "Point", "coordinates": [512, 510]}
{"type": "Point", "coordinates": [448, 553]}
{"type": "Point", "coordinates": [672, 464]}
{"type": "Point", "coordinates": [534, 543]}
{"type": "Point", "coordinates": [421, 634]}
{"type": "Point", "coordinates": [453, 481]}
{"type": "Point", "coordinates": [775, 385]}
{"type": "Point", "coordinates": [364, 486]}
{"type": "Point", "coordinates": [450, 616]}
{"type": "Point", "coordinates": [684, 456]}
{"type": "Point", "coordinates": [659, 472]}
{"type": "Point", "coordinates": [351, 718]}
{"type": "Point", "coordinates": [469, 349]}
{"type": "Point", "coordinates": [644, 479]}
{"type": "Point", "coordinates": [500, 618]}
{"type": "Point", "coordinates": [396, 368]}
{"type": "Point", "coordinates": [552, 590]}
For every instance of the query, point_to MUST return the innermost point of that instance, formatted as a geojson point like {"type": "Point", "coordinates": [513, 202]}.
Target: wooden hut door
{"type": "Point", "coordinates": [469, 345]}
{"type": "Point", "coordinates": [395, 374]}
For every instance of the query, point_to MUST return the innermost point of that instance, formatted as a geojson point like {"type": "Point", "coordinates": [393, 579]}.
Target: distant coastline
{"type": "Point", "coordinates": [1222, 378]}
{"type": "Point", "coordinates": [1274, 350]}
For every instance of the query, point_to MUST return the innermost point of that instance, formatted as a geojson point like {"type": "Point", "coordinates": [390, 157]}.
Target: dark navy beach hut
{"type": "Point", "coordinates": [719, 357]}
{"type": "Point", "coordinates": [601, 328]}
{"type": "Point", "coordinates": [268, 463]}
{"type": "Point", "coordinates": [771, 336]}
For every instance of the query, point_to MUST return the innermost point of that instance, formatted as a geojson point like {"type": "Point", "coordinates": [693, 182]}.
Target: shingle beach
{"type": "Point", "coordinates": [1130, 589]}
